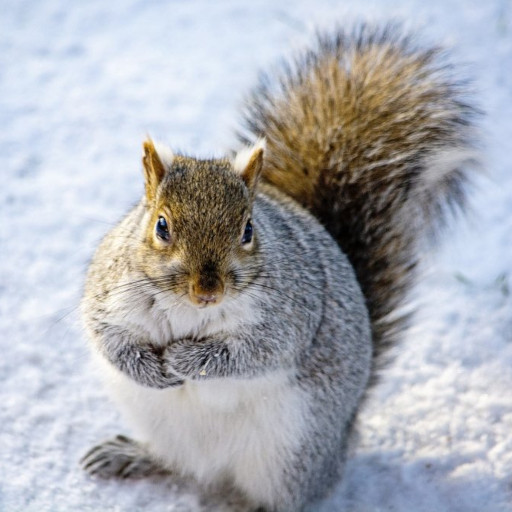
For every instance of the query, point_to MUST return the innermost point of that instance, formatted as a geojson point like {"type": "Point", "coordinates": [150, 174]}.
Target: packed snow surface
{"type": "Point", "coordinates": [81, 84]}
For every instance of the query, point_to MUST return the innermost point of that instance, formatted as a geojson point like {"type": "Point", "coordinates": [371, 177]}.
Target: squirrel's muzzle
{"type": "Point", "coordinates": [206, 291]}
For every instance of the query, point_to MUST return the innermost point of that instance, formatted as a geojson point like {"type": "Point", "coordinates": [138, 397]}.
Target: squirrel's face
{"type": "Point", "coordinates": [200, 242]}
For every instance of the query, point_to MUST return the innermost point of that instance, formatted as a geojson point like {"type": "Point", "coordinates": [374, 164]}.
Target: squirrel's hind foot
{"type": "Point", "coordinates": [120, 457]}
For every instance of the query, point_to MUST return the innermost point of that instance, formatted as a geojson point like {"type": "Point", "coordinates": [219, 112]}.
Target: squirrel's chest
{"type": "Point", "coordinates": [220, 426]}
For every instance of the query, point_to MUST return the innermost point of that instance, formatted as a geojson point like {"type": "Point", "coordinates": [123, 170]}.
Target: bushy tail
{"type": "Point", "coordinates": [374, 136]}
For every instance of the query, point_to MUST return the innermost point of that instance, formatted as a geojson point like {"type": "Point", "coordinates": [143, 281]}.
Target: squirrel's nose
{"type": "Point", "coordinates": [204, 297]}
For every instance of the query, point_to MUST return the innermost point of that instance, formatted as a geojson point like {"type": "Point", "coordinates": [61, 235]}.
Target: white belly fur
{"type": "Point", "coordinates": [240, 429]}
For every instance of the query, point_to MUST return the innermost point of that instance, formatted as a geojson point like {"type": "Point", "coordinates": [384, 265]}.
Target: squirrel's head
{"type": "Point", "coordinates": [200, 242]}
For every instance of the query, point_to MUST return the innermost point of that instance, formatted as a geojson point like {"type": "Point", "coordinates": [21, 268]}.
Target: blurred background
{"type": "Point", "coordinates": [81, 85]}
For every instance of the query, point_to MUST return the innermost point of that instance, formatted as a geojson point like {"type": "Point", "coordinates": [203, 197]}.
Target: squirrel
{"type": "Point", "coordinates": [242, 309]}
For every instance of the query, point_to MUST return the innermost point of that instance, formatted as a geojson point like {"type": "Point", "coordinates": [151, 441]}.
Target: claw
{"type": "Point", "coordinates": [119, 457]}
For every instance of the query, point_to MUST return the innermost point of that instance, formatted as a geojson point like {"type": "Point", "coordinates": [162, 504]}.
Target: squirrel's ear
{"type": "Point", "coordinates": [154, 168]}
{"type": "Point", "coordinates": [249, 162]}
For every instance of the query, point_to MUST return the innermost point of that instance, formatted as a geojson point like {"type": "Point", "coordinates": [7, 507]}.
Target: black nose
{"type": "Point", "coordinates": [203, 297]}
{"type": "Point", "coordinates": [208, 279]}
{"type": "Point", "coordinates": [207, 287]}
{"type": "Point", "coordinates": [208, 283]}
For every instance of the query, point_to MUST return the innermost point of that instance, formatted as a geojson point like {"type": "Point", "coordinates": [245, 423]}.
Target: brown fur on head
{"type": "Point", "coordinates": [198, 250]}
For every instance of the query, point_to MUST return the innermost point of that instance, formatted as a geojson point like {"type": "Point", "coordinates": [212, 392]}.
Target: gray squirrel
{"type": "Point", "coordinates": [243, 307]}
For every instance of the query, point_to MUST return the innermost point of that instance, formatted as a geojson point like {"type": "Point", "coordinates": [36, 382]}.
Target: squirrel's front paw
{"type": "Point", "coordinates": [191, 358]}
{"type": "Point", "coordinates": [175, 359]}
{"type": "Point", "coordinates": [173, 381]}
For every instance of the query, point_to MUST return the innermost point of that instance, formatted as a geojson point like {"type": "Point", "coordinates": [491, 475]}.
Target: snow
{"type": "Point", "coordinates": [81, 84]}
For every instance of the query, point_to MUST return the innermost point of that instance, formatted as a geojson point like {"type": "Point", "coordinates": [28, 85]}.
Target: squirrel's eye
{"type": "Point", "coordinates": [162, 229]}
{"type": "Point", "coordinates": [247, 237]}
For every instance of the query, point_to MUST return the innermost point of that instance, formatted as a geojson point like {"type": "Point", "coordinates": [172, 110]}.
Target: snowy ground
{"type": "Point", "coordinates": [81, 84]}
